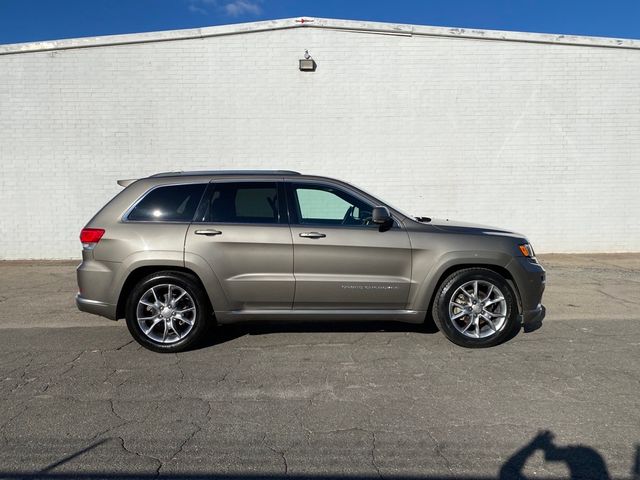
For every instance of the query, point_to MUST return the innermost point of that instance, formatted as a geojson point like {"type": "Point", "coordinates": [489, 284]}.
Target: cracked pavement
{"type": "Point", "coordinates": [350, 400]}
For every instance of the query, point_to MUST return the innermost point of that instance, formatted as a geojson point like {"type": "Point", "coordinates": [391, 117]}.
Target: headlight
{"type": "Point", "coordinates": [527, 250]}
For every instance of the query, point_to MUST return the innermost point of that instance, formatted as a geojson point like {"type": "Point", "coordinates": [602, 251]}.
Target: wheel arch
{"type": "Point", "coordinates": [425, 296]}
{"type": "Point", "coordinates": [140, 272]}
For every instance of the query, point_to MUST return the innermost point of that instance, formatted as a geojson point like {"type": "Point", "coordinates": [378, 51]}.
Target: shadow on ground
{"type": "Point", "coordinates": [582, 463]}
{"type": "Point", "coordinates": [226, 333]}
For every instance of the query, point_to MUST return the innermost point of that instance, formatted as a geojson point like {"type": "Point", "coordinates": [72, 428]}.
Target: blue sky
{"type": "Point", "coordinates": [32, 20]}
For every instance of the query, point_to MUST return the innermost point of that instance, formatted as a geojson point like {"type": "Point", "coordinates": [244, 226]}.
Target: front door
{"type": "Point", "coordinates": [341, 259]}
{"type": "Point", "coordinates": [243, 233]}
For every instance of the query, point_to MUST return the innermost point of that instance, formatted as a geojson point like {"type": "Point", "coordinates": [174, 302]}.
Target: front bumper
{"type": "Point", "coordinates": [532, 319]}
{"type": "Point", "coordinates": [530, 279]}
{"type": "Point", "coordinates": [96, 307]}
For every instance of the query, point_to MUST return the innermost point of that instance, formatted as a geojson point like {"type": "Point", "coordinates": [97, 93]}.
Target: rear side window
{"type": "Point", "coordinates": [244, 202]}
{"type": "Point", "coordinates": [173, 203]}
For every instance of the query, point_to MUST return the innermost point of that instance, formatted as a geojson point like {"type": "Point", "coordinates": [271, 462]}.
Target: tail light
{"type": "Point", "coordinates": [90, 237]}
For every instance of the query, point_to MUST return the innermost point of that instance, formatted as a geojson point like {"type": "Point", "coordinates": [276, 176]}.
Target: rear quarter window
{"type": "Point", "coordinates": [171, 203]}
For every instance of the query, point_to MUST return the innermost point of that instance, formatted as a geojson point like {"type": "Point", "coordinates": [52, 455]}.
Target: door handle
{"type": "Point", "coordinates": [312, 235]}
{"type": "Point", "coordinates": [208, 232]}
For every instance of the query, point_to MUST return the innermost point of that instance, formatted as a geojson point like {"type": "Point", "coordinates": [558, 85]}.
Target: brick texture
{"type": "Point", "coordinates": [540, 138]}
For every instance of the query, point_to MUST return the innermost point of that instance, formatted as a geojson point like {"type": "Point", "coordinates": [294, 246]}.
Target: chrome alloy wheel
{"type": "Point", "coordinates": [166, 313]}
{"type": "Point", "coordinates": [478, 309]}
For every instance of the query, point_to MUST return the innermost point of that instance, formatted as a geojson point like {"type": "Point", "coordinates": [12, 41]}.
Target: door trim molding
{"type": "Point", "coordinates": [332, 315]}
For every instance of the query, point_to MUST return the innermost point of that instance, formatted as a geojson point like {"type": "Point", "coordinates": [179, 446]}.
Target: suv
{"type": "Point", "coordinates": [174, 252]}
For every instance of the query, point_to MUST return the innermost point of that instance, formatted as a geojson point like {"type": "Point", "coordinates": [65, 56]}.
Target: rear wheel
{"type": "Point", "coordinates": [167, 312]}
{"type": "Point", "coordinates": [476, 307]}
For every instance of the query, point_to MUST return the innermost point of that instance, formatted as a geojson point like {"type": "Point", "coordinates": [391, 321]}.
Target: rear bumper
{"type": "Point", "coordinates": [95, 286]}
{"type": "Point", "coordinates": [96, 307]}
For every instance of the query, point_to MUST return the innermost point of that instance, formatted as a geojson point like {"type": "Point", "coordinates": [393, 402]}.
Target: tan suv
{"type": "Point", "coordinates": [177, 251]}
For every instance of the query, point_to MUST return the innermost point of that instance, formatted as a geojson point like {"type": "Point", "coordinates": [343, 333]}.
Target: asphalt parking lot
{"type": "Point", "coordinates": [351, 400]}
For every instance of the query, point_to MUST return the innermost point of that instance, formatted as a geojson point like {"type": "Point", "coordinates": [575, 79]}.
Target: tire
{"type": "Point", "coordinates": [160, 326]}
{"type": "Point", "coordinates": [491, 320]}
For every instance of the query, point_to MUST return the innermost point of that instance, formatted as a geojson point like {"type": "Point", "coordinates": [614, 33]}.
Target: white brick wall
{"type": "Point", "coordinates": [543, 138]}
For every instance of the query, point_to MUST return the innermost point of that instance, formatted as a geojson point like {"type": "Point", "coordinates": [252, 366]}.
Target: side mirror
{"type": "Point", "coordinates": [381, 216]}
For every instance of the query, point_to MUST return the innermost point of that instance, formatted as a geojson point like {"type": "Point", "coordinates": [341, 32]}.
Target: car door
{"type": "Point", "coordinates": [341, 259]}
{"type": "Point", "coordinates": [242, 232]}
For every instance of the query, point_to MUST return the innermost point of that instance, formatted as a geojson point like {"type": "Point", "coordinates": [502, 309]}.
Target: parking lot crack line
{"type": "Point", "coordinates": [122, 346]}
{"type": "Point", "coordinates": [12, 418]}
{"type": "Point", "coordinates": [438, 450]}
{"type": "Point", "coordinates": [23, 375]}
{"type": "Point", "coordinates": [282, 454]}
{"type": "Point", "coordinates": [107, 379]}
{"type": "Point", "coordinates": [20, 356]}
{"type": "Point", "coordinates": [123, 422]}
{"type": "Point", "coordinates": [373, 454]}
{"type": "Point", "coordinates": [623, 300]}
{"type": "Point", "coordinates": [178, 451]}
{"type": "Point", "coordinates": [113, 411]}
{"type": "Point", "coordinates": [207, 415]}
{"type": "Point", "coordinates": [142, 455]}
{"type": "Point", "coordinates": [71, 364]}
{"type": "Point", "coordinates": [179, 365]}
{"type": "Point", "coordinates": [117, 349]}
{"type": "Point", "coordinates": [223, 378]}
{"type": "Point", "coordinates": [113, 371]}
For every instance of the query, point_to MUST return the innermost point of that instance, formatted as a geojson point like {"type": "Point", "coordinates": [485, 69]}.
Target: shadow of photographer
{"type": "Point", "coordinates": [583, 462]}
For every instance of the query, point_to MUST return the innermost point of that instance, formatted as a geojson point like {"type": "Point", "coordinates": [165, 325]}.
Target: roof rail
{"type": "Point", "coordinates": [224, 172]}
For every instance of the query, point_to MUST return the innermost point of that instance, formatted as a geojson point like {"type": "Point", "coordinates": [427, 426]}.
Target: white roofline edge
{"type": "Point", "coordinates": [310, 22]}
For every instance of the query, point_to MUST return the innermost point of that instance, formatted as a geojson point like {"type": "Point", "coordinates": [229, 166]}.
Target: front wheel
{"type": "Point", "coordinates": [167, 312]}
{"type": "Point", "coordinates": [475, 308]}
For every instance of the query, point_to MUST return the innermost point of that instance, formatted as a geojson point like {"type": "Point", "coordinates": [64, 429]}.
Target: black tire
{"type": "Point", "coordinates": [442, 317]}
{"type": "Point", "coordinates": [202, 318]}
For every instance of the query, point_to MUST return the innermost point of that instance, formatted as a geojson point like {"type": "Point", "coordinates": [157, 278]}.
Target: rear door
{"type": "Point", "coordinates": [243, 233]}
{"type": "Point", "coordinates": [341, 259]}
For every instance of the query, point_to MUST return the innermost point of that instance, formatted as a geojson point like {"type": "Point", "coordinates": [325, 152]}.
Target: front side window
{"type": "Point", "coordinates": [326, 205]}
{"type": "Point", "coordinates": [172, 203]}
{"type": "Point", "coordinates": [244, 202]}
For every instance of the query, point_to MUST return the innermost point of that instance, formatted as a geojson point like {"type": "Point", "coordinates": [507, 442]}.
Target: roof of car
{"type": "Point", "coordinates": [224, 172]}
{"type": "Point", "coordinates": [213, 173]}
